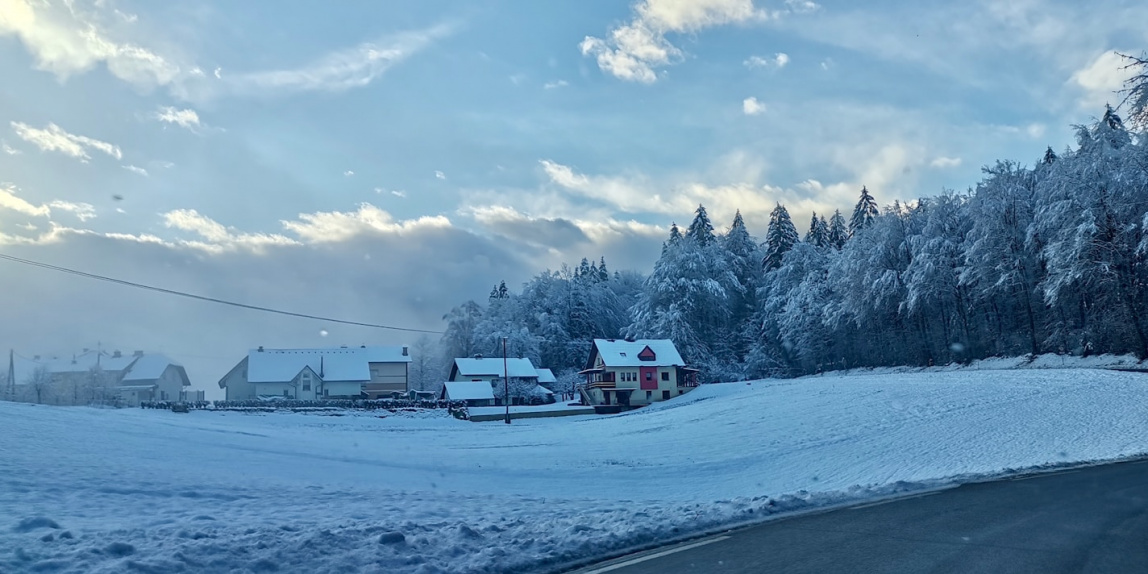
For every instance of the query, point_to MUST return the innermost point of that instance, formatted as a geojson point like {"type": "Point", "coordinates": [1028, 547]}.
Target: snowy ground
{"type": "Point", "coordinates": [87, 490]}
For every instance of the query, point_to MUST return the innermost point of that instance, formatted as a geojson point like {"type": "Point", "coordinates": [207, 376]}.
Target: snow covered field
{"type": "Point", "coordinates": [87, 490]}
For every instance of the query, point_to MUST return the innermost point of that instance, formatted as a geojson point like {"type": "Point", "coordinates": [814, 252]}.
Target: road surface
{"type": "Point", "coordinates": [1083, 520]}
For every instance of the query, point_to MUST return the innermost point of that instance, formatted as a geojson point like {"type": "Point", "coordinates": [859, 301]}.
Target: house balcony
{"type": "Point", "coordinates": [601, 385]}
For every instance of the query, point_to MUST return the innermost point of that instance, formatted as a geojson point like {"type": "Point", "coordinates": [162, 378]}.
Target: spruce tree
{"type": "Point", "coordinates": [701, 230]}
{"type": "Point", "coordinates": [1049, 156]}
{"type": "Point", "coordinates": [864, 213]}
{"type": "Point", "coordinates": [779, 238]}
{"type": "Point", "coordinates": [818, 234]}
{"type": "Point", "coordinates": [838, 232]}
{"type": "Point", "coordinates": [603, 274]}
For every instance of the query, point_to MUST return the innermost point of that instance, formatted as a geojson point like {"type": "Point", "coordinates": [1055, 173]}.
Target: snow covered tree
{"type": "Point", "coordinates": [701, 230]}
{"type": "Point", "coordinates": [864, 212]}
{"type": "Point", "coordinates": [40, 382]}
{"type": "Point", "coordinates": [779, 237]}
{"type": "Point", "coordinates": [838, 232]}
{"type": "Point", "coordinates": [427, 370]}
{"type": "Point", "coordinates": [1136, 90]}
{"type": "Point", "coordinates": [458, 339]}
{"type": "Point", "coordinates": [818, 234]}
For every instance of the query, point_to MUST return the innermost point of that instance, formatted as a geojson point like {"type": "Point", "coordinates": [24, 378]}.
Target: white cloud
{"type": "Point", "coordinates": [1100, 80]}
{"type": "Point", "coordinates": [9, 149]}
{"type": "Point", "coordinates": [398, 193]}
{"type": "Point", "coordinates": [187, 119]}
{"type": "Point", "coordinates": [348, 173]}
{"type": "Point", "coordinates": [752, 107]}
{"type": "Point", "coordinates": [439, 175]}
{"type": "Point", "coordinates": [67, 39]}
{"type": "Point", "coordinates": [54, 138]}
{"type": "Point", "coordinates": [802, 6]}
{"type": "Point", "coordinates": [136, 170]}
{"type": "Point", "coordinates": [555, 84]}
{"type": "Point", "coordinates": [9, 200]}
{"type": "Point", "coordinates": [82, 211]}
{"type": "Point", "coordinates": [945, 162]}
{"type": "Point", "coordinates": [1035, 130]}
{"type": "Point", "coordinates": [333, 226]}
{"type": "Point", "coordinates": [216, 237]}
{"type": "Point", "coordinates": [778, 60]}
{"type": "Point", "coordinates": [342, 70]}
{"type": "Point", "coordinates": [632, 51]}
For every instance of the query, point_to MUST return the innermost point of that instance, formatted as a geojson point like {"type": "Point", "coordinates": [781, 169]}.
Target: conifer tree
{"type": "Point", "coordinates": [838, 232]}
{"type": "Point", "coordinates": [701, 230]}
{"type": "Point", "coordinates": [818, 234]}
{"type": "Point", "coordinates": [779, 238]}
{"type": "Point", "coordinates": [864, 213]}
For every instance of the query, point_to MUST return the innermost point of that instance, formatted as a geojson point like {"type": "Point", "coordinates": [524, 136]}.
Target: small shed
{"type": "Point", "coordinates": [474, 393]}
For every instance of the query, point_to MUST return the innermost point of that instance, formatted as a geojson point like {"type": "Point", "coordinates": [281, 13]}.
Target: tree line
{"type": "Point", "coordinates": [1047, 258]}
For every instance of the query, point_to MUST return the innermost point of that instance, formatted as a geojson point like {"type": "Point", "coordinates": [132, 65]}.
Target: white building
{"type": "Point", "coordinates": [100, 377]}
{"type": "Point", "coordinates": [474, 393]}
{"type": "Point", "coordinates": [634, 373]}
{"type": "Point", "coordinates": [524, 378]}
{"type": "Point", "coordinates": [308, 374]}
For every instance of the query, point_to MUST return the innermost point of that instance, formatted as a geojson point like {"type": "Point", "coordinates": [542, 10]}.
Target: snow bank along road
{"type": "Point", "coordinates": [1092, 519]}
{"type": "Point", "coordinates": [87, 490]}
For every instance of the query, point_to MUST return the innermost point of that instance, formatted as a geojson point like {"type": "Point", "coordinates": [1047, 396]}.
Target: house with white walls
{"type": "Point", "coordinates": [633, 373]}
{"type": "Point", "coordinates": [309, 374]}
{"type": "Point", "coordinates": [97, 376]}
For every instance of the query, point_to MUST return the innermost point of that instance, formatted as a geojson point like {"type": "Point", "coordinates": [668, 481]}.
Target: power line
{"type": "Point", "coordinates": [208, 299]}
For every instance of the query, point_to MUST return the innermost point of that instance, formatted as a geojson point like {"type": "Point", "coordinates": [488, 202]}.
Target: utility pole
{"type": "Point", "coordinates": [10, 387]}
{"type": "Point", "coordinates": [505, 381]}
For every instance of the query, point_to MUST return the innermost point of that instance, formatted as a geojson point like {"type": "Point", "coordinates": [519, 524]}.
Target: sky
{"type": "Point", "coordinates": [384, 162]}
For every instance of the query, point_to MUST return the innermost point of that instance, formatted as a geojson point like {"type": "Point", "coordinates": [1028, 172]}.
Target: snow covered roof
{"type": "Point", "coordinates": [337, 364]}
{"type": "Point", "coordinates": [134, 367]}
{"type": "Point", "coordinates": [468, 390]}
{"type": "Point", "coordinates": [623, 353]}
{"type": "Point", "coordinates": [546, 376]}
{"type": "Point", "coordinates": [149, 367]}
{"type": "Point", "coordinates": [492, 366]}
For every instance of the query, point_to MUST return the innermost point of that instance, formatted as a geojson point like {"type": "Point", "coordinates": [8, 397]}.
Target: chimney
{"type": "Point", "coordinates": [116, 355]}
{"type": "Point", "coordinates": [406, 352]}
{"type": "Point", "coordinates": [260, 348]}
{"type": "Point", "coordinates": [137, 354]}
{"type": "Point", "coordinates": [478, 356]}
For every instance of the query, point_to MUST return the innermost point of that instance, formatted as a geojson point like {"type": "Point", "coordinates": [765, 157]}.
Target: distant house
{"type": "Point", "coordinates": [634, 372]}
{"type": "Point", "coordinates": [547, 379]}
{"type": "Point", "coordinates": [98, 376]}
{"type": "Point", "coordinates": [308, 374]}
{"type": "Point", "coordinates": [489, 369]}
{"type": "Point", "coordinates": [524, 378]}
{"type": "Point", "coordinates": [474, 393]}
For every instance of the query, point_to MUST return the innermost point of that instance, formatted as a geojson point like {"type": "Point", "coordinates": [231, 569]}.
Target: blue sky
{"type": "Point", "coordinates": [385, 161]}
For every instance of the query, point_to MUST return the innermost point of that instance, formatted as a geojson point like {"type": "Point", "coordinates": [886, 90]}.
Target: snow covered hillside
{"type": "Point", "coordinates": [87, 490]}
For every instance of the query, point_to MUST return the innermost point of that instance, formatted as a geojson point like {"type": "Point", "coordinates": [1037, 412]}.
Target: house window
{"type": "Point", "coordinates": [665, 376]}
{"type": "Point", "coordinates": [324, 392]}
{"type": "Point", "coordinates": [665, 395]}
{"type": "Point", "coordinates": [306, 377]}
{"type": "Point", "coordinates": [649, 394]}
{"type": "Point", "coordinates": [285, 393]}
{"type": "Point", "coordinates": [649, 376]}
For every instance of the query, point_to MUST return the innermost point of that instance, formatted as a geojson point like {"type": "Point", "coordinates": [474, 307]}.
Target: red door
{"type": "Point", "coordinates": [649, 378]}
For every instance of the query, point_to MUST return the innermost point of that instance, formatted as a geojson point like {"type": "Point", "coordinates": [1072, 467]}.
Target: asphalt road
{"type": "Point", "coordinates": [1085, 520]}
